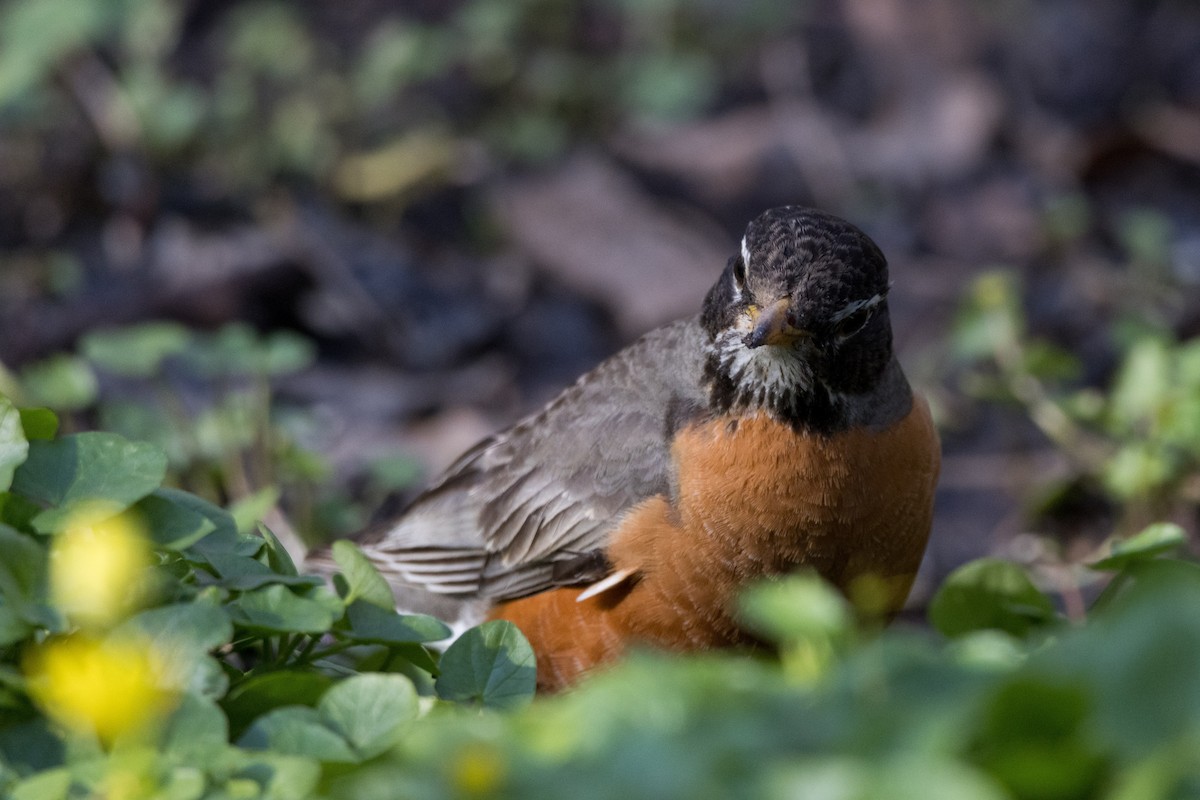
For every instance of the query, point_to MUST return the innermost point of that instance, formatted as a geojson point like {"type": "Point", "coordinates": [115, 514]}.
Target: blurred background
{"type": "Point", "coordinates": [317, 249]}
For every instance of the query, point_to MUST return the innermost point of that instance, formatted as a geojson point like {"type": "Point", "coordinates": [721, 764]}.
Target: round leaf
{"type": "Point", "coordinates": [1162, 537]}
{"type": "Point", "coordinates": [370, 711]}
{"type": "Point", "coordinates": [370, 623]}
{"type": "Point", "coordinates": [138, 350]}
{"type": "Point", "coordinates": [297, 731]}
{"type": "Point", "coordinates": [87, 468]}
{"type": "Point", "coordinates": [989, 594]}
{"type": "Point", "coordinates": [362, 579]}
{"type": "Point", "coordinates": [196, 732]}
{"type": "Point", "coordinates": [64, 382]}
{"type": "Point", "coordinates": [259, 694]}
{"type": "Point", "coordinates": [800, 607]}
{"type": "Point", "coordinates": [171, 525]}
{"type": "Point", "coordinates": [39, 423]}
{"type": "Point", "coordinates": [276, 609]}
{"type": "Point", "coordinates": [492, 665]}
{"type": "Point", "coordinates": [193, 627]}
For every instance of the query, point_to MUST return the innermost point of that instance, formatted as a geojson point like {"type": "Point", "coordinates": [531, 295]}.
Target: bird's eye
{"type": "Point", "coordinates": [853, 323]}
{"type": "Point", "coordinates": [739, 273]}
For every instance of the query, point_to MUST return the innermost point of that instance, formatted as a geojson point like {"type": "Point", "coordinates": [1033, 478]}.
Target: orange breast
{"type": "Point", "coordinates": [755, 498]}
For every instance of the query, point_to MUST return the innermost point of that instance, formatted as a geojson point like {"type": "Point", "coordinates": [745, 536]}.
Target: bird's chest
{"type": "Point", "coordinates": [757, 497]}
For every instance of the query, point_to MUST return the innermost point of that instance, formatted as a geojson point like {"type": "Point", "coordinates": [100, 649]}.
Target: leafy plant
{"type": "Point", "coordinates": [1137, 440]}
{"type": "Point", "coordinates": [150, 650]}
{"type": "Point", "coordinates": [258, 93]}
{"type": "Point", "coordinates": [142, 632]}
{"type": "Point", "coordinates": [206, 400]}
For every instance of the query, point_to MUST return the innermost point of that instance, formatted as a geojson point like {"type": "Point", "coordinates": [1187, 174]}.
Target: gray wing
{"type": "Point", "coordinates": [533, 506]}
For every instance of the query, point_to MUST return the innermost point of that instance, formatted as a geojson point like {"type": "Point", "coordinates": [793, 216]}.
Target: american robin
{"type": "Point", "coordinates": [773, 431]}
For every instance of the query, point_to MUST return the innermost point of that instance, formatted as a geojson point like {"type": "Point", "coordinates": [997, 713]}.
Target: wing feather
{"type": "Point", "coordinates": [554, 485]}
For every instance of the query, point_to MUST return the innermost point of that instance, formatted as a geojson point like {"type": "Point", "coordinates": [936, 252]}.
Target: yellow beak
{"type": "Point", "coordinates": [771, 326]}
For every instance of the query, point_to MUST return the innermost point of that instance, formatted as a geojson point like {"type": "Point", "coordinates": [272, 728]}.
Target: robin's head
{"type": "Point", "coordinates": [799, 317]}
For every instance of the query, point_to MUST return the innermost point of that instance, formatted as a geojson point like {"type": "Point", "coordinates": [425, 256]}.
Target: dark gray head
{"type": "Point", "coordinates": [798, 321]}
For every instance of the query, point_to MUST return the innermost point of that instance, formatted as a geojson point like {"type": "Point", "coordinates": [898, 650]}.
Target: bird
{"type": "Point", "coordinates": [772, 432]}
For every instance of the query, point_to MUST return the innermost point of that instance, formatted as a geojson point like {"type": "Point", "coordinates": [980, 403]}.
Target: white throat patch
{"type": "Point", "coordinates": [775, 371]}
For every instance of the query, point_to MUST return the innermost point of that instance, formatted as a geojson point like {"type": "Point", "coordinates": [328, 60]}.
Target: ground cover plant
{"type": "Point", "coordinates": [267, 261]}
{"type": "Point", "coordinates": [151, 650]}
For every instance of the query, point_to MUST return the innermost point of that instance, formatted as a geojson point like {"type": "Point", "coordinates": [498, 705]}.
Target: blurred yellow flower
{"type": "Point", "coordinates": [478, 770]}
{"type": "Point", "coordinates": [106, 686]}
{"type": "Point", "coordinates": [96, 566]}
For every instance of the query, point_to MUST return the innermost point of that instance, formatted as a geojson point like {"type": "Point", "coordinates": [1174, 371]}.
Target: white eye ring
{"type": "Point", "coordinates": [739, 275]}
{"type": "Point", "coordinates": [846, 317]}
{"type": "Point", "coordinates": [854, 323]}
{"type": "Point", "coordinates": [740, 268]}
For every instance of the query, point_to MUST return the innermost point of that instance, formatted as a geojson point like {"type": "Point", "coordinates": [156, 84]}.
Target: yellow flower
{"type": "Point", "coordinates": [106, 686]}
{"type": "Point", "coordinates": [96, 566]}
{"type": "Point", "coordinates": [478, 770]}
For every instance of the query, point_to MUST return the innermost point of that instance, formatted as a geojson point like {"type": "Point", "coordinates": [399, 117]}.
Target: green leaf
{"type": "Point", "coordinates": [39, 423]}
{"type": "Point", "coordinates": [258, 694]}
{"type": "Point", "coordinates": [224, 539]}
{"type": "Point", "coordinates": [278, 558]}
{"type": "Point", "coordinates": [31, 746]}
{"type": "Point", "coordinates": [990, 319]}
{"type": "Point", "coordinates": [197, 627]}
{"type": "Point", "coordinates": [799, 607]}
{"type": "Point", "coordinates": [238, 349]}
{"type": "Point", "coordinates": [1141, 385]}
{"type": "Point", "coordinates": [492, 665]}
{"type": "Point", "coordinates": [138, 350]}
{"type": "Point", "coordinates": [913, 778]}
{"type": "Point", "coordinates": [1034, 739]}
{"type": "Point", "coordinates": [1051, 363]}
{"type": "Point", "coordinates": [172, 525]}
{"type": "Point", "coordinates": [53, 784]}
{"type": "Point", "coordinates": [1137, 661]}
{"type": "Point", "coordinates": [1156, 539]}
{"type": "Point", "coordinates": [370, 711]}
{"type": "Point", "coordinates": [286, 352]}
{"type": "Point", "coordinates": [87, 468]}
{"type": "Point", "coordinates": [1146, 234]}
{"type": "Point", "coordinates": [368, 623]}
{"type": "Point", "coordinates": [297, 731]}
{"type": "Point", "coordinates": [989, 593]}
{"type": "Point", "coordinates": [12, 628]}
{"type": "Point", "coordinates": [281, 777]}
{"type": "Point", "coordinates": [1141, 574]}
{"type": "Point", "coordinates": [667, 86]}
{"type": "Point", "coordinates": [63, 382]}
{"type": "Point", "coordinates": [1138, 469]}
{"type": "Point", "coordinates": [242, 573]}
{"type": "Point", "coordinates": [250, 510]}
{"type": "Point", "coordinates": [276, 609]}
{"type": "Point", "coordinates": [23, 579]}
{"type": "Point", "coordinates": [990, 650]}
{"type": "Point", "coordinates": [395, 472]}
{"type": "Point", "coordinates": [363, 581]}
{"type": "Point", "coordinates": [34, 36]}
{"type": "Point", "coordinates": [14, 446]}
{"type": "Point", "coordinates": [806, 616]}
{"type": "Point", "coordinates": [196, 732]}
{"type": "Point", "coordinates": [18, 511]}
{"type": "Point", "coordinates": [185, 633]}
